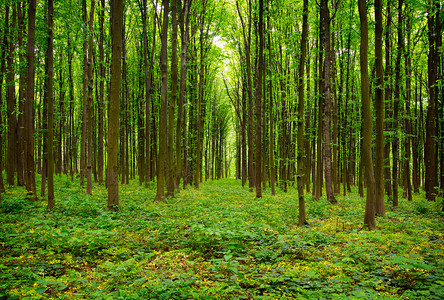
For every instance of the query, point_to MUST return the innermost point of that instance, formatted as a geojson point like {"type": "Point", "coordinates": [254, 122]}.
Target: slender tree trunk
{"type": "Point", "coordinates": [29, 104]}
{"type": "Point", "coordinates": [148, 81]}
{"type": "Point", "coordinates": [379, 108]}
{"type": "Point", "coordinates": [301, 100]}
{"type": "Point", "coordinates": [84, 99]}
{"type": "Point", "coordinates": [2, 72]}
{"type": "Point", "coordinates": [160, 196]}
{"type": "Point", "coordinates": [319, 159]}
{"type": "Point", "coordinates": [407, 119]}
{"type": "Point", "coordinates": [50, 95]}
{"type": "Point", "coordinates": [271, 114]}
{"type": "Point", "coordinates": [369, 219]}
{"type": "Point", "coordinates": [396, 107]}
{"type": "Point", "coordinates": [89, 112]}
{"type": "Point", "coordinates": [172, 183]}
{"type": "Point", "coordinates": [258, 179]}
{"type": "Point", "coordinates": [326, 87]}
{"type": "Point", "coordinates": [388, 101]}
{"type": "Point", "coordinates": [22, 98]}
{"type": "Point", "coordinates": [10, 102]}
{"type": "Point", "coordinates": [100, 105]}
{"type": "Point", "coordinates": [430, 153]}
{"type": "Point", "coordinates": [113, 111]}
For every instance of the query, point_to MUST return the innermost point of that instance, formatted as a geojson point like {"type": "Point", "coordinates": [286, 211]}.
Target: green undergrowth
{"type": "Point", "coordinates": [218, 242]}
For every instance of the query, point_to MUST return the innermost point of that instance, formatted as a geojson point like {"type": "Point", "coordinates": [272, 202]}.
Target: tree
{"type": "Point", "coordinates": [369, 218]}
{"type": "Point", "coordinates": [258, 177]}
{"type": "Point", "coordinates": [172, 180]}
{"type": "Point", "coordinates": [379, 107]}
{"type": "Point", "coordinates": [50, 95]}
{"type": "Point", "coordinates": [10, 101]}
{"type": "Point", "coordinates": [113, 111]}
{"type": "Point", "coordinates": [101, 92]}
{"type": "Point", "coordinates": [184, 21]}
{"type": "Point", "coordinates": [300, 155]}
{"type": "Point", "coordinates": [326, 88]}
{"type": "Point", "coordinates": [430, 154]}
{"type": "Point", "coordinates": [160, 195]}
{"type": "Point", "coordinates": [89, 110]}
{"type": "Point", "coordinates": [29, 104]}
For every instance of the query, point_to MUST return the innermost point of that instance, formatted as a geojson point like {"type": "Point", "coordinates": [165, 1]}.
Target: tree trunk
{"type": "Point", "coordinates": [113, 111]}
{"type": "Point", "coordinates": [430, 153]}
{"type": "Point", "coordinates": [10, 102]}
{"type": "Point", "coordinates": [29, 104]}
{"type": "Point", "coordinates": [89, 112]}
{"type": "Point", "coordinates": [258, 179]}
{"type": "Point", "coordinates": [160, 196]}
{"type": "Point", "coordinates": [50, 96]}
{"type": "Point", "coordinates": [396, 107]}
{"type": "Point", "coordinates": [407, 119]}
{"type": "Point", "coordinates": [301, 100]}
{"type": "Point", "coordinates": [100, 105]}
{"type": "Point", "coordinates": [84, 99]}
{"type": "Point", "coordinates": [22, 98]}
{"type": "Point", "coordinates": [2, 72]}
{"type": "Point", "coordinates": [172, 184]}
{"type": "Point", "coordinates": [326, 88]}
{"type": "Point", "coordinates": [379, 108]}
{"type": "Point", "coordinates": [388, 101]}
{"type": "Point", "coordinates": [369, 219]}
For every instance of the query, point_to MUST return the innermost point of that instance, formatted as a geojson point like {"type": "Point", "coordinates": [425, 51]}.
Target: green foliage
{"type": "Point", "coordinates": [216, 242]}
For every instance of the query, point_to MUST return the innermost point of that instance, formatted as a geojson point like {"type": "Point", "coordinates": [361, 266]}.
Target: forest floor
{"type": "Point", "coordinates": [218, 242]}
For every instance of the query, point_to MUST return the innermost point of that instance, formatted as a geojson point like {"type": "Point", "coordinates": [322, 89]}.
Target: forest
{"type": "Point", "coordinates": [221, 149]}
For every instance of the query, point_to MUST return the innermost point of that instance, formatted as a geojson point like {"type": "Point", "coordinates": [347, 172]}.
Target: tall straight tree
{"type": "Point", "coordinates": [2, 72]}
{"type": "Point", "coordinates": [100, 106]}
{"type": "Point", "coordinates": [388, 98]}
{"type": "Point", "coordinates": [430, 155]}
{"type": "Point", "coordinates": [29, 104]}
{"type": "Point", "coordinates": [10, 101]}
{"type": "Point", "coordinates": [246, 34]}
{"type": "Point", "coordinates": [161, 157]}
{"type": "Point", "coordinates": [172, 184]}
{"type": "Point", "coordinates": [258, 179]}
{"type": "Point", "coordinates": [379, 107]}
{"type": "Point", "coordinates": [184, 20]}
{"type": "Point", "coordinates": [301, 100]}
{"type": "Point", "coordinates": [369, 218]}
{"type": "Point", "coordinates": [50, 102]}
{"type": "Point", "coordinates": [114, 99]}
{"type": "Point", "coordinates": [84, 99]}
{"type": "Point", "coordinates": [396, 100]}
{"type": "Point", "coordinates": [326, 88]}
{"type": "Point", "coordinates": [89, 110]}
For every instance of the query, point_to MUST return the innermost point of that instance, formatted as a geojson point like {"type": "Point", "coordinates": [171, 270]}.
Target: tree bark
{"type": "Point", "coordinates": [397, 94]}
{"type": "Point", "coordinates": [85, 98]}
{"type": "Point", "coordinates": [388, 101]}
{"type": "Point", "coordinates": [301, 100]}
{"type": "Point", "coordinates": [430, 153]}
{"type": "Point", "coordinates": [326, 87]}
{"type": "Point", "coordinates": [369, 218]}
{"type": "Point", "coordinates": [160, 196]}
{"type": "Point", "coordinates": [172, 183]}
{"type": "Point", "coordinates": [10, 102]}
{"type": "Point", "coordinates": [100, 106]}
{"type": "Point", "coordinates": [50, 96]}
{"type": "Point", "coordinates": [379, 108]}
{"type": "Point", "coordinates": [113, 111]}
{"type": "Point", "coordinates": [258, 179]}
{"type": "Point", "coordinates": [29, 104]}
{"type": "Point", "coordinates": [89, 111]}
